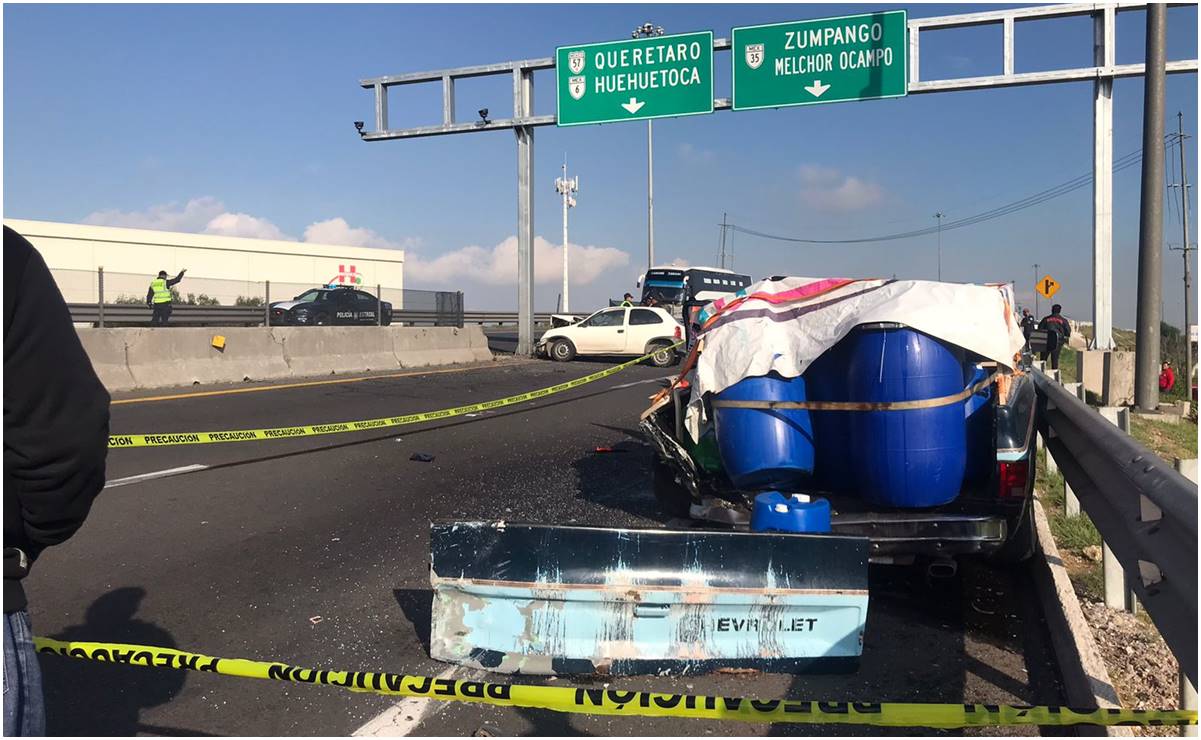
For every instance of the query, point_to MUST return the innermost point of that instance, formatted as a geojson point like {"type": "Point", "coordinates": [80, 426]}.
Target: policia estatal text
{"type": "Point", "coordinates": [158, 297]}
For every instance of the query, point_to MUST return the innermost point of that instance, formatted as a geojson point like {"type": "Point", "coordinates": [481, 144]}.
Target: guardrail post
{"type": "Point", "coordinates": [460, 303]}
{"type": "Point", "coordinates": [1071, 503]}
{"type": "Point", "coordinates": [1188, 700]}
{"type": "Point", "coordinates": [379, 305]}
{"type": "Point", "coordinates": [100, 296]}
{"type": "Point", "coordinates": [1117, 593]}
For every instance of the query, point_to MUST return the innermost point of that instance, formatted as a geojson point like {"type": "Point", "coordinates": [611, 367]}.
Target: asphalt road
{"type": "Point", "coordinates": [240, 558]}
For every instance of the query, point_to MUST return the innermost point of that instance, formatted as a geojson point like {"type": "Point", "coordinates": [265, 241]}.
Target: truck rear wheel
{"type": "Point", "coordinates": [1022, 541]}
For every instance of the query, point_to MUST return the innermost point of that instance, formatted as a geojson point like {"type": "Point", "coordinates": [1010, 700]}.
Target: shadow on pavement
{"type": "Point", "coordinates": [85, 697]}
{"type": "Point", "coordinates": [620, 479]}
{"type": "Point", "coordinates": [417, 606]}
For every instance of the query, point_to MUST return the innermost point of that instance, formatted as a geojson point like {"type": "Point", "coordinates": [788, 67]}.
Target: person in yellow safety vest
{"type": "Point", "coordinates": [627, 301]}
{"type": "Point", "coordinates": [158, 297]}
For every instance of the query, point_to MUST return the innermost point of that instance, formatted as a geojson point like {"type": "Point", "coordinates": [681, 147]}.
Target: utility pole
{"type": "Point", "coordinates": [1036, 311]}
{"type": "Point", "coordinates": [1185, 248]}
{"type": "Point", "coordinates": [566, 188]}
{"type": "Point", "coordinates": [647, 30]}
{"type": "Point", "coordinates": [1150, 231]}
{"type": "Point", "coordinates": [939, 216]}
{"type": "Point", "coordinates": [721, 255]}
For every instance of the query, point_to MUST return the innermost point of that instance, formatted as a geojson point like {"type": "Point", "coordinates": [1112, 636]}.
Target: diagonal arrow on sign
{"type": "Point", "coordinates": [634, 105]}
{"type": "Point", "coordinates": [817, 88]}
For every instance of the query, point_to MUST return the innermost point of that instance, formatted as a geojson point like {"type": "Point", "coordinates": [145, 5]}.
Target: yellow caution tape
{"type": "Point", "coordinates": [617, 702]}
{"type": "Point", "coordinates": [250, 435]}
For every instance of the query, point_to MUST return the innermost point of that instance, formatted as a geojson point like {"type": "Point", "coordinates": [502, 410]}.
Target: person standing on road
{"type": "Point", "coordinates": [627, 301]}
{"type": "Point", "coordinates": [1058, 331]}
{"type": "Point", "coordinates": [1028, 324]}
{"type": "Point", "coordinates": [158, 297]}
{"type": "Point", "coordinates": [55, 443]}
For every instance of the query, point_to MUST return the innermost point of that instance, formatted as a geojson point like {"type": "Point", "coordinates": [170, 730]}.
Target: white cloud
{"type": "Point", "coordinates": [243, 224]}
{"type": "Point", "coordinates": [192, 216]}
{"type": "Point", "coordinates": [208, 215]}
{"type": "Point", "coordinates": [828, 189]}
{"type": "Point", "coordinates": [498, 265]}
{"type": "Point", "coordinates": [337, 231]}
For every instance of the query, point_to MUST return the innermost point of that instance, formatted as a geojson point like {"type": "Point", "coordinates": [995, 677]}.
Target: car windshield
{"type": "Point", "coordinates": [311, 295]}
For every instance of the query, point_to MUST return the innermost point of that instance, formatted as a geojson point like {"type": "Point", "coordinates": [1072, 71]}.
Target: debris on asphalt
{"type": "Point", "coordinates": [422, 457]}
{"type": "Point", "coordinates": [608, 449]}
{"type": "Point", "coordinates": [315, 620]}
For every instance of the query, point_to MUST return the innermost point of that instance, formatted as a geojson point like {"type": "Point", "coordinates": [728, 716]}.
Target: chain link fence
{"type": "Point", "coordinates": [100, 294]}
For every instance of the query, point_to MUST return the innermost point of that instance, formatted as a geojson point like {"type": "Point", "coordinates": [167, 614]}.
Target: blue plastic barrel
{"type": "Point", "coordinates": [775, 512]}
{"type": "Point", "coordinates": [981, 439]}
{"type": "Point", "coordinates": [912, 458]}
{"type": "Point", "coordinates": [761, 448]}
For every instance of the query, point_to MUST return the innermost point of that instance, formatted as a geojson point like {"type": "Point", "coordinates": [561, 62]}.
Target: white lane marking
{"type": "Point", "coordinates": [402, 719]}
{"type": "Point", "coordinates": [151, 476]}
{"type": "Point", "coordinates": [642, 382]}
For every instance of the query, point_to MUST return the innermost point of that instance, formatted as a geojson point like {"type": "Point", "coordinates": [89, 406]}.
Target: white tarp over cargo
{"type": "Point", "coordinates": [784, 325]}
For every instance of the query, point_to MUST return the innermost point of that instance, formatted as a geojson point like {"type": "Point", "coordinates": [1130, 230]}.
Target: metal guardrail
{"type": "Point", "coordinates": [185, 315]}
{"type": "Point", "coordinates": [1145, 511]}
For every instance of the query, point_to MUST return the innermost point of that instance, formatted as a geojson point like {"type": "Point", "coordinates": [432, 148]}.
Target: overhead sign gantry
{"type": "Point", "coordinates": [887, 64]}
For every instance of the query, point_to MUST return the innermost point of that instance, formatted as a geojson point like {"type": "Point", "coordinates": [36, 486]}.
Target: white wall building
{"type": "Point", "coordinates": [223, 268]}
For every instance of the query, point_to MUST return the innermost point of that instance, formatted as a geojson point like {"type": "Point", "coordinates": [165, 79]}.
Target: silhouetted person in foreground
{"type": "Point", "coordinates": [55, 444]}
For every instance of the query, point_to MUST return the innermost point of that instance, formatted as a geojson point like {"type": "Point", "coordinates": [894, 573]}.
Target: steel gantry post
{"type": "Point", "coordinates": [1104, 55]}
{"type": "Point", "coordinates": [523, 107]}
{"type": "Point", "coordinates": [1103, 71]}
{"type": "Point", "coordinates": [1150, 230]}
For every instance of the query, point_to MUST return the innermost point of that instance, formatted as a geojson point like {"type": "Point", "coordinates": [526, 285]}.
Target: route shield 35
{"type": "Point", "coordinates": [523, 598]}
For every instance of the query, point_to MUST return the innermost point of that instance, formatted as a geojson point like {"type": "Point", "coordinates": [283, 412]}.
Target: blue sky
{"type": "Point", "coordinates": [237, 119]}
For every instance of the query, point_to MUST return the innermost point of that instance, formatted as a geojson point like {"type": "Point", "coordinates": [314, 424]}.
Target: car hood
{"type": "Point", "coordinates": [285, 305]}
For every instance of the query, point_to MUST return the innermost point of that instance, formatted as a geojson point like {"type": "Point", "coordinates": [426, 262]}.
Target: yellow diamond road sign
{"type": "Point", "coordinates": [1048, 286]}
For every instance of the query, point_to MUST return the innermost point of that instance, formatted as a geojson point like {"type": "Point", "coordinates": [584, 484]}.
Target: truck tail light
{"type": "Point", "coordinates": [1012, 478]}
{"type": "Point", "coordinates": [677, 334]}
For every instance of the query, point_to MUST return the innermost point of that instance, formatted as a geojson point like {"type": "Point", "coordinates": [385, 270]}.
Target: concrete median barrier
{"type": "Point", "coordinates": [440, 345]}
{"type": "Point", "coordinates": [186, 356]}
{"type": "Point", "coordinates": [131, 359]}
{"type": "Point", "coordinates": [106, 350]}
{"type": "Point", "coordinates": [329, 350]}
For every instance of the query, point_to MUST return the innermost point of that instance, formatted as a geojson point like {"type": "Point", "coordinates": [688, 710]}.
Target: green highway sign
{"type": "Point", "coordinates": [631, 80]}
{"type": "Point", "coordinates": [826, 60]}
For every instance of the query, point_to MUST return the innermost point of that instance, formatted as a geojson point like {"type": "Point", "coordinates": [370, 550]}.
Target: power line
{"type": "Point", "coordinates": [1124, 162]}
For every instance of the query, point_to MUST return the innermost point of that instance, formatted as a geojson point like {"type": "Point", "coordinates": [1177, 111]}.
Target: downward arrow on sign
{"type": "Point", "coordinates": [817, 88]}
{"type": "Point", "coordinates": [634, 105]}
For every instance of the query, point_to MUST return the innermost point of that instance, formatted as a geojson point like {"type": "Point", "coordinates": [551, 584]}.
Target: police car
{"type": "Point", "coordinates": [341, 306]}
